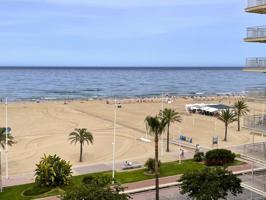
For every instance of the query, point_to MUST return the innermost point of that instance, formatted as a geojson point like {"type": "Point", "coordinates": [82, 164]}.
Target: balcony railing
{"type": "Point", "coordinates": [254, 3]}
{"type": "Point", "coordinates": [255, 122]}
{"type": "Point", "coordinates": [256, 62]}
{"type": "Point", "coordinates": [256, 32]}
{"type": "Point", "coordinates": [256, 94]}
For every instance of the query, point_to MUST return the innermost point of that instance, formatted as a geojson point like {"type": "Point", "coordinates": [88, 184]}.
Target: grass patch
{"type": "Point", "coordinates": [15, 192]}
{"type": "Point", "coordinates": [36, 191]}
{"type": "Point", "coordinates": [166, 169]}
{"type": "Point", "coordinates": [237, 162]}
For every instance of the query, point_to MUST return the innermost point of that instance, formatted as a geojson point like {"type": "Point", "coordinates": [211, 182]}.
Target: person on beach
{"type": "Point", "coordinates": [197, 150]}
{"type": "Point", "coordinates": [182, 153]}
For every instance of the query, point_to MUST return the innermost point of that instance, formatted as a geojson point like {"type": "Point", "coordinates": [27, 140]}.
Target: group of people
{"type": "Point", "coordinates": [182, 152]}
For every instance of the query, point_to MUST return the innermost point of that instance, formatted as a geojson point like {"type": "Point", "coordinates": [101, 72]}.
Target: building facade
{"type": "Point", "coordinates": [256, 34]}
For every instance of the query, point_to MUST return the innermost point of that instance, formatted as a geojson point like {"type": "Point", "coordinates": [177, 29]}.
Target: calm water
{"type": "Point", "coordinates": [27, 83]}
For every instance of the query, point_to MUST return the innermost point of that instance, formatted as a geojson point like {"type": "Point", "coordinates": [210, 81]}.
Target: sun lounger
{"type": "Point", "coordinates": [130, 165]}
{"type": "Point", "coordinates": [145, 140]}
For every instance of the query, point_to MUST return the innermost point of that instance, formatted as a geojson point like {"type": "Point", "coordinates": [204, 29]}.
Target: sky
{"type": "Point", "coordinates": [126, 33]}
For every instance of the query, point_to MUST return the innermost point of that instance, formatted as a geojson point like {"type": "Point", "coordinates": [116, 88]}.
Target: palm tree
{"type": "Point", "coordinates": [170, 116]}
{"type": "Point", "coordinates": [241, 109]}
{"type": "Point", "coordinates": [10, 138]}
{"type": "Point", "coordinates": [155, 126]}
{"type": "Point", "coordinates": [81, 135]}
{"type": "Point", "coordinates": [227, 117]}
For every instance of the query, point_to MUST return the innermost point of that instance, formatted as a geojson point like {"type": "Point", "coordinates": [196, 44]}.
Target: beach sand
{"type": "Point", "coordinates": [43, 128]}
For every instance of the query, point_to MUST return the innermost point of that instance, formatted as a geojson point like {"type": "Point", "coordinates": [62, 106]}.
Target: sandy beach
{"type": "Point", "coordinates": [43, 127]}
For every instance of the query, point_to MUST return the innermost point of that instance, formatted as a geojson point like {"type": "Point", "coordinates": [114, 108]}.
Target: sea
{"type": "Point", "coordinates": [60, 83]}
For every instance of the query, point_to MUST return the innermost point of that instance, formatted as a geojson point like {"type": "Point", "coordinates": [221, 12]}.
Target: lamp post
{"type": "Point", "coordinates": [162, 134]}
{"type": "Point", "coordinates": [1, 183]}
{"type": "Point", "coordinates": [6, 150]}
{"type": "Point", "coordinates": [179, 145]}
{"type": "Point", "coordinates": [115, 111]}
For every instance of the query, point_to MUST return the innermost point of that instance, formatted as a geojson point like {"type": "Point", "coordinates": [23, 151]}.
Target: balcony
{"type": "Point", "coordinates": [255, 65]}
{"type": "Point", "coordinates": [256, 34]}
{"type": "Point", "coordinates": [256, 123]}
{"type": "Point", "coordinates": [256, 6]}
{"type": "Point", "coordinates": [257, 94]}
{"type": "Point", "coordinates": [256, 62]}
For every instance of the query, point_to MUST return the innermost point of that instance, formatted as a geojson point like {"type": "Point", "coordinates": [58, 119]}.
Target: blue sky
{"type": "Point", "coordinates": [126, 33]}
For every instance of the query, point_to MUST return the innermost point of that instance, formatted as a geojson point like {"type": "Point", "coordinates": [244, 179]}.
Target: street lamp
{"type": "Point", "coordinates": [1, 183]}
{"type": "Point", "coordinates": [114, 140]}
{"type": "Point", "coordinates": [6, 150]}
{"type": "Point", "coordinates": [162, 134]}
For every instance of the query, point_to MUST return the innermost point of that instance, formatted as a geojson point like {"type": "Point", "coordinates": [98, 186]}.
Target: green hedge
{"type": "Point", "coordinates": [219, 157]}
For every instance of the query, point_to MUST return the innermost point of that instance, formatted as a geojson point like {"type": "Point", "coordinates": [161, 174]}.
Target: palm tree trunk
{"type": "Point", "coordinates": [225, 132]}
{"type": "Point", "coordinates": [156, 168]}
{"type": "Point", "coordinates": [81, 151]}
{"type": "Point", "coordinates": [238, 121]}
{"type": "Point", "coordinates": [167, 148]}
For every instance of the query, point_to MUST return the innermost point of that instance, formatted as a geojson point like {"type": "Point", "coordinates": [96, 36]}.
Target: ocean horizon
{"type": "Point", "coordinates": [60, 83]}
{"type": "Point", "coordinates": [124, 67]}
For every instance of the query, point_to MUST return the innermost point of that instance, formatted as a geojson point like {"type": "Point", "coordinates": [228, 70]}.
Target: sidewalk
{"type": "Point", "coordinates": [171, 179]}
{"type": "Point", "coordinates": [79, 170]}
{"type": "Point", "coordinates": [150, 182]}
{"type": "Point", "coordinates": [85, 169]}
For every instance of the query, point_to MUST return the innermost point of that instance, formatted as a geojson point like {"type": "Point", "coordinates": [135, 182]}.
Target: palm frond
{"type": "Point", "coordinates": [10, 138]}
{"type": "Point", "coordinates": [81, 135]}
{"type": "Point", "coordinates": [227, 116]}
{"type": "Point", "coordinates": [155, 125]}
{"type": "Point", "coordinates": [241, 108]}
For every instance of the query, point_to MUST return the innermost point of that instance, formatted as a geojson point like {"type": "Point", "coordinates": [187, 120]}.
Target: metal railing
{"type": "Point", "coordinates": [255, 122]}
{"type": "Point", "coordinates": [254, 3]}
{"type": "Point", "coordinates": [256, 93]}
{"type": "Point", "coordinates": [256, 62]}
{"type": "Point", "coordinates": [256, 32]}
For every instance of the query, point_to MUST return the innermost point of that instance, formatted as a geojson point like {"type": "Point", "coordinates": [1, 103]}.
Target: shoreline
{"type": "Point", "coordinates": [135, 99]}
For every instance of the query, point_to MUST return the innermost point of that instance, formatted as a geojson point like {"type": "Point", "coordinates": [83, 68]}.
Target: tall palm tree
{"type": "Point", "coordinates": [155, 126]}
{"type": "Point", "coordinates": [241, 109]}
{"type": "Point", "coordinates": [170, 116]}
{"type": "Point", "coordinates": [81, 135]}
{"type": "Point", "coordinates": [227, 117]}
{"type": "Point", "coordinates": [10, 138]}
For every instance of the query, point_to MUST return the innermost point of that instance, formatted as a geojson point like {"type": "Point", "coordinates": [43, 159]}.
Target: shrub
{"type": "Point", "coordinates": [199, 156]}
{"type": "Point", "coordinates": [150, 164]}
{"type": "Point", "coordinates": [53, 171]}
{"type": "Point", "coordinates": [210, 184]}
{"type": "Point", "coordinates": [91, 192]}
{"type": "Point", "coordinates": [88, 179]}
{"type": "Point", "coordinates": [237, 155]}
{"type": "Point", "coordinates": [219, 157]}
{"type": "Point", "coordinates": [97, 180]}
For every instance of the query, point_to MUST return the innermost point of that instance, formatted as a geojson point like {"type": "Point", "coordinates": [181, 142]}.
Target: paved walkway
{"type": "Point", "coordinates": [171, 179]}
{"type": "Point", "coordinates": [173, 193]}
{"type": "Point", "coordinates": [79, 170]}
{"type": "Point", "coordinates": [85, 169]}
{"type": "Point", "coordinates": [151, 182]}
